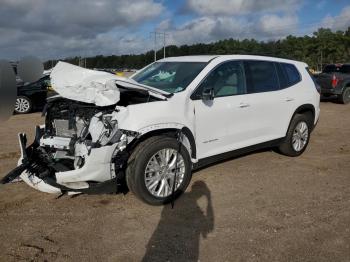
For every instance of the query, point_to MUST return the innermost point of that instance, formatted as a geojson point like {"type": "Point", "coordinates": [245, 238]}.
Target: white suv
{"type": "Point", "coordinates": [177, 114]}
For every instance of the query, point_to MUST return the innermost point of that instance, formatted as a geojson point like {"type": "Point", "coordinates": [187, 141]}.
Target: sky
{"type": "Point", "coordinates": [52, 29]}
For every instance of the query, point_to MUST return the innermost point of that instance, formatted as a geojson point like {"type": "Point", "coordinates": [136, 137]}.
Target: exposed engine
{"type": "Point", "coordinates": [72, 128]}
{"type": "Point", "coordinates": [81, 148]}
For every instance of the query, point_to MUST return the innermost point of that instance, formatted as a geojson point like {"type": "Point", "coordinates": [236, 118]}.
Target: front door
{"type": "Point", "coordinates": [221, 122]}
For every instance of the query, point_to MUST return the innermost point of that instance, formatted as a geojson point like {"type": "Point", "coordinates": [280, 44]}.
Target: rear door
{"type": "Point", "coordinates": [270, 105]}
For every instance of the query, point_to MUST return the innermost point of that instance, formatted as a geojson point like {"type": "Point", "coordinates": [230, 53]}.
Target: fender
{"type": "Point", "coordinates": [303, 109]}
{"type": "Point", "coordinates": [166, 128]}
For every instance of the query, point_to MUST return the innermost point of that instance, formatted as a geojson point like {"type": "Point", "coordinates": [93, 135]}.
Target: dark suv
{"type": "Point", "coordinates": [335, 80]}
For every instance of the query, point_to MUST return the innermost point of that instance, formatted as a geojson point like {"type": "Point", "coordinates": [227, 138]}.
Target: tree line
{"type": "Point", "coordinates": [323, 47]}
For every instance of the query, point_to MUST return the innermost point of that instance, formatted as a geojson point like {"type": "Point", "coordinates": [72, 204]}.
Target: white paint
{"type": "Point", "coordinates": [84, 85]}
{"type": "Point", "coordinates": [218, 126]}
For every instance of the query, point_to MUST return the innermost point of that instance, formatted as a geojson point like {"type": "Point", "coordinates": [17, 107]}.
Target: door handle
{"type": "Point", "coordinates": [243, 105]}
{"type": "Point", "coordinates": [289, 99]}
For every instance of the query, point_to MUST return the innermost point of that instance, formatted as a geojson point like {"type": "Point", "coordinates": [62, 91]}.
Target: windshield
{"type": "Point", "coordinates": [171, 77]}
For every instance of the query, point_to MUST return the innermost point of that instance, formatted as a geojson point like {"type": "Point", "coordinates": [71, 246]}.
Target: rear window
{"type": "Point", "coordinates": [261, 76]}
{"type": "Point", "coordinates": [345, 69]}
{"type": "Point", "coordinates": [331, 69]}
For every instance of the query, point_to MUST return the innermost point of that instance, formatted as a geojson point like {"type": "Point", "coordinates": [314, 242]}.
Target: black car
{"type": "Point", "coordinates": [335, 80]}
{"type": "Point", "coordinates": [32, 96]}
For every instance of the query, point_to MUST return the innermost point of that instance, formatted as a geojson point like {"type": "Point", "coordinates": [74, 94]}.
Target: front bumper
{"type": "Point", "coordinates": [41, 172]}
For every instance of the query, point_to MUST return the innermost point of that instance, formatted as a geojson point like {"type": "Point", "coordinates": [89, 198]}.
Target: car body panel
{"type": "Point", "coordinates": [212, 127]}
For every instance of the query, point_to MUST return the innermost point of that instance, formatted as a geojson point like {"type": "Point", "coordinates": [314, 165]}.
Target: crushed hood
{"type": "Point", "coordinates": [85, 85]}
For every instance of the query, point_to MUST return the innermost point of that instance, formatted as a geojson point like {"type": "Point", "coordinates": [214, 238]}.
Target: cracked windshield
{"type": "Point", "coordinates": [171, 77]}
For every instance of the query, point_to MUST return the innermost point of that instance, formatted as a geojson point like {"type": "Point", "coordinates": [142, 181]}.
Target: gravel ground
{"type": "Point", "coordinates": [259, 207]}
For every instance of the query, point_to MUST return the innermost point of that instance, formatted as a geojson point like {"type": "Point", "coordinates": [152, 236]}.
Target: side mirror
{"type": "Point", "coordinates": [208, 94]}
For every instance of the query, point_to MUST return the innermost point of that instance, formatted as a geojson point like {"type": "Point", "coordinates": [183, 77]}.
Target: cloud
{"type": "Point", "coordinates": [339, 22]}
{"type": "Point", "coordinates": [220, 19]}
{"type": "Point", "coordinates": [47, 46]}
{"type": "Point", "coordinates": [79, 17]}
{"type": "Point", "coordinates": [239, 7]}
{"type": "Point", "coordinates": [275, 26]}
{"type": "Point", "coordinates": [44, 27]}
{"type": "Point", "coordinates": [51, 29]}
{"type": "Point", "coordinates": [207, 29]}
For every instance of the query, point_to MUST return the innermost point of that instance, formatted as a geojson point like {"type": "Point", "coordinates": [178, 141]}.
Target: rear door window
{"type": "Point", "coordinates": [282, 76]}
{"type": "Point", "coordinates": [261, 76]}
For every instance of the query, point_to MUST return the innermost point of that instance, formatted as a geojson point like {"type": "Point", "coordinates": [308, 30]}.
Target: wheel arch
{"type": "Point", "coordinates": [168, 132]}
{"type": "Point", "coordinates": [304, 109]}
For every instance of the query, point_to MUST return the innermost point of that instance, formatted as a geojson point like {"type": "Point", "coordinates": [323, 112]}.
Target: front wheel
{"type": "Point", "coordinates": [298, 136]}
{"type": "Point", "coordinates": [156, 166]}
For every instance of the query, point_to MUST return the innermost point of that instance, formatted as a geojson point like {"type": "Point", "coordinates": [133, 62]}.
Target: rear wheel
{"type": "Point", "coordinates": [23, 105]}
{"type": "Point", "coordinates": [150, 174]}
{"type": "Point", "coordinates": [298, 135]}
{"type": "Point", "coordinates": [344, 98]}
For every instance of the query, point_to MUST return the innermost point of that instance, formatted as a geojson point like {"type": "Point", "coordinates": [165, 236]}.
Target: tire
{"type": "Point", "coordinates": [344, 98]}
{"type": "Point", "coordinates": [23, 105]}
{"type": "Point", "coordinates": [144, 156]}
{"type": "Point", "coordinates": [290, 146]}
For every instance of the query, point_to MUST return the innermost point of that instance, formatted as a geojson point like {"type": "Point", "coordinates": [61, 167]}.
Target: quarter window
{"type": "Point", "coordinates": [261, 76]}
{"type": "Point", "coordinates": [292, 73]}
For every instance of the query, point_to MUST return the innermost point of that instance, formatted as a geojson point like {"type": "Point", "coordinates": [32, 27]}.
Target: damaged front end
{"type": "Point", "coordinates": [79, 150]}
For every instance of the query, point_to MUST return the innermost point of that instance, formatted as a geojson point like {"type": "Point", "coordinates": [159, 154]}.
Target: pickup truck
{"type": "Point", "coordinates": [335, 80]}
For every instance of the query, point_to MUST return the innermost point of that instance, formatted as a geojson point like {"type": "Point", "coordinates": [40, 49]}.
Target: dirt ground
{"type": "Point", "coordinates": [259, 207]}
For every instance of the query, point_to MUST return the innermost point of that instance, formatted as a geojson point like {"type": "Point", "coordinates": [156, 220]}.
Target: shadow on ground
{"type": "Point", "coordinates": [172, 240]}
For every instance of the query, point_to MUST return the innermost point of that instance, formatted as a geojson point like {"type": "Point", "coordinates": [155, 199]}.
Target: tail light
{"type": "Point", "coordinates": [335, 81]}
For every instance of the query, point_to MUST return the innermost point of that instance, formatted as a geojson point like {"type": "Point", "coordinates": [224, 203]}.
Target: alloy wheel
{"type": "Point", "coordinates": [160, 172]}
{"type": "Point", "coordinates": [22, 105]}
{"type": "Point", "coordinates": [300, 136]}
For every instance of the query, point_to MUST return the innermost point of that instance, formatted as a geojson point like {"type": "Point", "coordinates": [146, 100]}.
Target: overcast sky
{"type": "Point", "coordinates": [62, 28]}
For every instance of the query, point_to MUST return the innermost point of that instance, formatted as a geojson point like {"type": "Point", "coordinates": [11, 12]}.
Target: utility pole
{"type": "Point", "coordinates": [163, 45]}
{"type": "Point", "coordinates": [155, 46]}
{"type": "Point", "coordinates": [156, 35]}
